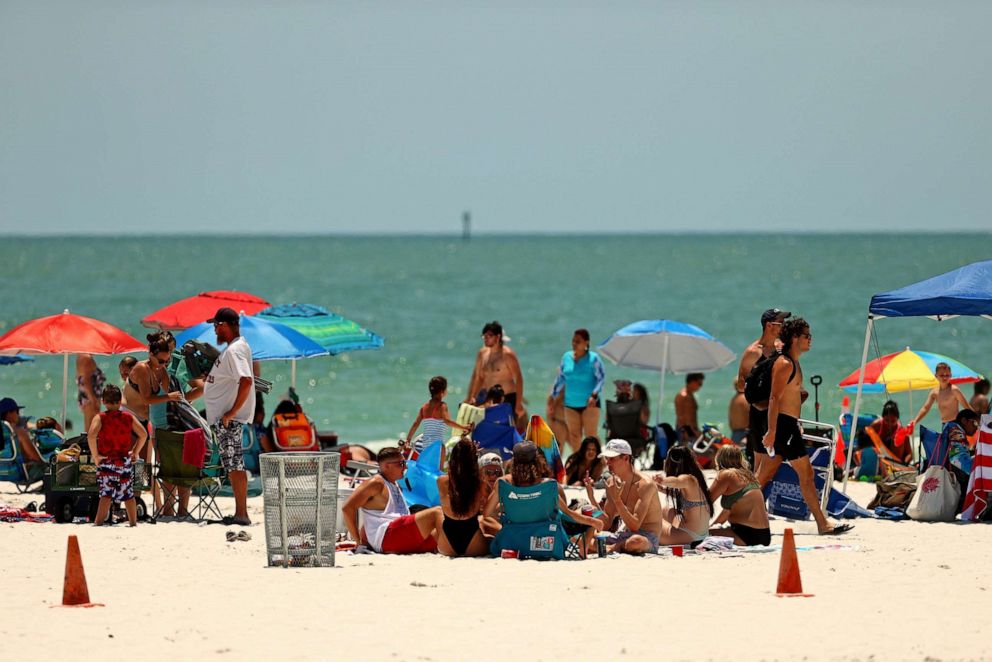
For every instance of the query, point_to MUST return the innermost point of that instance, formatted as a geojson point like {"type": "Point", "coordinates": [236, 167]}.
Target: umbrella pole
{"type": "Point", "coordinates": [65, 388]}
{"type": "Point", "coordinates": [857, 403]}
{"type": "Point", "coordinates": [292, 373]}
{"type": "Point", "coordinates": [664, 368]}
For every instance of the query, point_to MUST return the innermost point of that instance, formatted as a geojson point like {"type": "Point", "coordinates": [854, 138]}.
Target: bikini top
{"type": "Point", "coordinates": [728, 500]}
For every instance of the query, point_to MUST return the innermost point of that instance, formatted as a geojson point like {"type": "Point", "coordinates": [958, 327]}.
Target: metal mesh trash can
{"type": "Point", "coordinates": [300, 493]}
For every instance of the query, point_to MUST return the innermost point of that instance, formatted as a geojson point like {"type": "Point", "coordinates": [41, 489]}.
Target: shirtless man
{"type": "Point", "coordinates": [497, 364]}
{"type": "Point", "coordinates": [784, 438]}
{"type": "Point", "coordinates": [631, 496]}
{"type": "Point", "coordinates": [949, 398]}
{"type": "Point", "coordinates": [771, 325]}
{"type": "Point", "coordinates": [980, 400]}
{"type": "Point", "coordinates": [687, 409]}
{"type": "Point", "coordinates": [738, 414]}
{"type": "Point", "coordinates": [389, 527]}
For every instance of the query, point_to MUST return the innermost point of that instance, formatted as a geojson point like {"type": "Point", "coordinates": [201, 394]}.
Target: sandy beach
{"type": "Point", "coordinates": [905, 590]}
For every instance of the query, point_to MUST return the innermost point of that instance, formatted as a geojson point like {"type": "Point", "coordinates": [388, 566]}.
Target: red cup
{"type": "Point", "coordinates": [511, 554]}
{"type": "Point", "coordinates": [677, 550]}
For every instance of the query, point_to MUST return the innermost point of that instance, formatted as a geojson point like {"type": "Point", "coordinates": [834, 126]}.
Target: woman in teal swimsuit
{"type": "Point", "coordinates": [581, 376]}
{"type": "Point", "coordinates": [741, 499]}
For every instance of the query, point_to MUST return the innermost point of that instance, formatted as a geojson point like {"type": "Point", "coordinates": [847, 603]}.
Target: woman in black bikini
{"type": "Point", "coordinates": [741, 499]}
{"type": "Point", "coordinates": [462, 499]}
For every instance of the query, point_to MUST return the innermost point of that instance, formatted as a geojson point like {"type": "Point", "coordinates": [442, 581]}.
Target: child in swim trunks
{"type": "Point", "coordinates": [115, 439]}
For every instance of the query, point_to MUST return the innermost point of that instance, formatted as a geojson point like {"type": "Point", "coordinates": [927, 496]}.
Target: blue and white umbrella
{"type": "Point", "coordinates": [666, 346]}
{"type": "Point", "coordinates": [268, 340]}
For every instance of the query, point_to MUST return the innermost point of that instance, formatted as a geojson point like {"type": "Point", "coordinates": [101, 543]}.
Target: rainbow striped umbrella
{"type": "Point", "coordinates": [908, 370]}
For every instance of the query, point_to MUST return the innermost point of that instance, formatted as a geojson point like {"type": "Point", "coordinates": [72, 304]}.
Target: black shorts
{"type": "Point", "coordinates": [757, 426]}
{"type": "Point", "coordinates": [511, 399]}
{"type": "Point", "coordinates": [789, 444]}
{"type": "Point", "coordinates": [752, 536]}
{"type": "Point", "coordinates": [579, 410]}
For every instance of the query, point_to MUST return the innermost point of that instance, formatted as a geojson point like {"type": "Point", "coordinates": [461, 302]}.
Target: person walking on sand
{"type": "Point", "coordinates": [784, 438]}
{"type": "Point", "coordinates": [495, 364]}
{"type": "Point", "coordinates": [949, 398]}
{"type": "Point", "coordinates": [763, 347]}
{"type": "Point", "coordinates": [228, 394]}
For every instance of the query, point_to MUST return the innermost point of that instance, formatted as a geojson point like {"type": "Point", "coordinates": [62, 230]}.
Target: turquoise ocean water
{"type": "Point", "coordinates": [429, 297]}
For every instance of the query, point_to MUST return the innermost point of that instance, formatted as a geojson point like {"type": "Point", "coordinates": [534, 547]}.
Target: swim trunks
{"type": "Point", "coordinates": [114, 479]}
{"type": "Point", "coordinates": [579, 410]}
{"type": "Point", "coordinates": [229, 440]}
{"type": "Point", "coordinates": [403, 537]}
{"type": "Point", "coordinates": [649, 535]}
{"type": "Point", "coordinates": [789, 442]}
{"type": "Point", "coordinates": [752, 536]}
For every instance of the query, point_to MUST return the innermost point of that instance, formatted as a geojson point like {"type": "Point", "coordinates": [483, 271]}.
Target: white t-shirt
{"type": "Point", "coordinates": [221, 387]}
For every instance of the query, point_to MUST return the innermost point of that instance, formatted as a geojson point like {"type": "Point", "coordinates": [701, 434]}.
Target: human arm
{"type": "Point", "coordinates": [245, 387]}
{"type": "Point", "coordinates": [599, 372]}
{"type": "Point", "coordinates": [364, 493]}
{"type": "Point", "coordinates": [931, 398]}
{"type": "Point", "coordinates": [475, 381]}
{"type": "Point", "coordinates": [492, 506]}
{"type": "Point", "coordinates": [518, 378]}
{"type": "Point", "coordinates": [143, 376]}
{"type": "Point", "coordinates": [416, 424]}
{"type": "Point", "coordinates": [196, 390]}
{"type": "Point", "coordinates": [446, 415]}
{"type": "Point", "coordinates": [674, 482]}
{"type": "Point", "coordinates": [575, 515]}
{"type": "Point", "coordinates": [142, 433]}
{"type": "Point", "coordinates": [780, 379]}
{"type": "Point", "coordinates": [91, 438]}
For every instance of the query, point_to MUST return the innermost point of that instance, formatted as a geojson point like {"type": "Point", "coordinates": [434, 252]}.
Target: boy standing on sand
{"type": "Point", "coordinates": [110, 444]}
{"type": "Point", "coordinates": [784, 438]}
{"type": "Point", "coordinates": [949, 398]}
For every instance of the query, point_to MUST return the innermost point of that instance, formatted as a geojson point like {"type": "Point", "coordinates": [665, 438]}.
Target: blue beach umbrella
{"type": "Point", "coordinates": [16, 358]}
{"type": "Point", "coordinates": [268, 340]}
{"type": "Point", "coordinates": [333, 332]}
{"type": "Point", "coordinates": [666, 346]}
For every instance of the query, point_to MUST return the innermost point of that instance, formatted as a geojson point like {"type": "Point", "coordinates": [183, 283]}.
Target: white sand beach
{"type": "Point", "coordinates": [177, 590]}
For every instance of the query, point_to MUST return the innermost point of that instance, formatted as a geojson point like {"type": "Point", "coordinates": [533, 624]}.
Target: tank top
{"type": "Point", "coordinates": [114, 439]}
{"type": "Point", "coordinates": [158, 413]}
{"type": "Point", "coordinates": [377, 521]}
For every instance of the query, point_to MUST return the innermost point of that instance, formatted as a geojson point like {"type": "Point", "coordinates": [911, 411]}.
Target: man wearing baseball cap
{"type": "Point", "coordinates": [765, 346]}
{"type": "Point", "coordinates": [632, 497]}
{"type": "Point", "coordinates": [228, 393]}
{"type": "Point", "coordinates": [15, 428]}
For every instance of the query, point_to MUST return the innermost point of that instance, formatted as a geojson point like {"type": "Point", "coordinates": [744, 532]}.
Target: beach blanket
{"type": "Point", "coordinates": [540, 433]}
{"type": "Point", "coordinates": [976, 501]}
{"type": "Point", "coordinates": [8, 514]}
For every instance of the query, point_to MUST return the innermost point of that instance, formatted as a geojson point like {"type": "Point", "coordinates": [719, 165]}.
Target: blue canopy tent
{"type": "Point", "coordinates": [963, 291]}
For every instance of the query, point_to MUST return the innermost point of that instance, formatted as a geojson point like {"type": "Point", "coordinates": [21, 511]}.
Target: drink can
{"type": "Point", "coordinates": [677, 550]}
{"type": "Point", "coordinates": [509, 554]}
{"type": "Point", "coordinates": [601, 546]}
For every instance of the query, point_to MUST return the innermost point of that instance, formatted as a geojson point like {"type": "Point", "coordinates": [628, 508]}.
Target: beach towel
{"type": "Point", "coordinates": [540, 433]}
{"type": "Point", "coordinates": [976, 501]}
{"type": "Point", "coordinates": [194, 448]}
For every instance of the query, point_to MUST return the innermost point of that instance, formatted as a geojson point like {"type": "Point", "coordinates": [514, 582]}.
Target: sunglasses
{"type": "Point", "coordinates": [399, 462]}
{"type": "Point", "coordinates": [493, 472]}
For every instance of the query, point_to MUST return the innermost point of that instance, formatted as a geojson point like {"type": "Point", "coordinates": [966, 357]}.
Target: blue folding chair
{"type": "Point", "coordinates": [496, 438]}
{"type": "Point", "coordinates": [13, 468]}
{"type": "Point", "coordinates": [532, 525]}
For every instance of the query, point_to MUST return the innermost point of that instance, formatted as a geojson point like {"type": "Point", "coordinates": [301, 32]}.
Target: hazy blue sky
{"type": "Point", "coordinates": [312, 117]}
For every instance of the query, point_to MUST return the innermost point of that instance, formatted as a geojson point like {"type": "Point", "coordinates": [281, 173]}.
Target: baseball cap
{"type": "Point", "coordinates": [8, 405]}
{"type": "Point", "coordinates": [228, 315]}
{"type": "Point", "coordinates": [615, 447]}
{"type": "Point", "coordinates": [623, 383]}
{"type": "Point", "coordinates": [773, 315]}
{"type": "Point", "coordinates": [490, 459]}
{"type": "Point", "coordinates": [525, 451]}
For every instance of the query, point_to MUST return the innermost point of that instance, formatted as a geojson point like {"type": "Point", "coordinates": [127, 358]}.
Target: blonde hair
{"type": "Point", "coordinates": [731, 458]}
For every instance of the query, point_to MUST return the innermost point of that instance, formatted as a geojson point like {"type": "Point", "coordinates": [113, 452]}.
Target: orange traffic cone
{"type": "Point", "coordinates": [74, 591]}
{"type": "Point", "coordinates": [790, 584]}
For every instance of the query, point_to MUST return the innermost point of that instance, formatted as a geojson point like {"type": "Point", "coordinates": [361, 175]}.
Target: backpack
{"type": "Point", "coordinates": [758, 383]}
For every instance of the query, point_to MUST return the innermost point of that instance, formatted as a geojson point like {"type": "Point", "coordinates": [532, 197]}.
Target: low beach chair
{"type": "Point", "coordinates": [928, 443]}
{"type": "Point", "coordinates": [888, 463]}
{"type": "Point", "coordinates": [623, 421]}
{"type": "Point", "coordinates": [204, 482]}
{"type": "Point", "coordinates": [531, 523]}
{"type": "Point", "coordinates": [13, 468]}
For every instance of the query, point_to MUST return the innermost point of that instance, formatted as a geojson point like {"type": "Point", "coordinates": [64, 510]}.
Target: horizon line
{"type": "Point", "coordinates": [488, 235]}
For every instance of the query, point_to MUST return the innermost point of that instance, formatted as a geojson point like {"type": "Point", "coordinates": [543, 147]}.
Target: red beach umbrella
{"type": "Point", "coordinates": [198, 309]}
{"type": "Point", "coordinates": [67, 334]}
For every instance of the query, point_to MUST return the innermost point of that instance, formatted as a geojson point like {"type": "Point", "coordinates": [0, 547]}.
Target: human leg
{"type": "Point", "coordinates": [102, 511]}
{"type": "Point", "coordinates": [590, 423]}
{"type": "Point", "coordinates": [804, 470]}
{"type": "Point", "coordinates": [768, 468]}
{"type": "Point", "coordinates": [232, 459]}
{"type": "Point", "coordinates": [573, 421]}
{"type": "Point", "coordinates": [132, 512]}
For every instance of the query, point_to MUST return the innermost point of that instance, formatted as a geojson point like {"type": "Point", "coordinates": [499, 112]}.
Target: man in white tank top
{"type": "Point", "coordinates": [389, 527]}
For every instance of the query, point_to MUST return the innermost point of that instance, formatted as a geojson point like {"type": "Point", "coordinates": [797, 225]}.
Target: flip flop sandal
{"type": "Point", "coordinates": [838, 530]}
{"type": "Point", "coordinates": [231, 536]}
{"type": "Point", "coordinates": [243, 536]}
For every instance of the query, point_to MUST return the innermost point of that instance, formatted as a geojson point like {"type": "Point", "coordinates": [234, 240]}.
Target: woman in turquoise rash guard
{"type": "Point", "coordinates": [581, 375]}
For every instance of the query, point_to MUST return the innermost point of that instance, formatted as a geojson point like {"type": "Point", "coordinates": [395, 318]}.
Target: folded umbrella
{"type": "Point", "coordinates": [197, 309]}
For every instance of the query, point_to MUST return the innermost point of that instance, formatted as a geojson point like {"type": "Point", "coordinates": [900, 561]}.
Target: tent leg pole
{"type": "Point", "coordinates": [857, 403]}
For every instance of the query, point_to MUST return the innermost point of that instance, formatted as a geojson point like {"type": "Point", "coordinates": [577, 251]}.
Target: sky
{"type": "Point", "coordinates": [357, 118]}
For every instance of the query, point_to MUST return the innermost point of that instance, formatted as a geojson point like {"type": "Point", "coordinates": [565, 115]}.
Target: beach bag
{"type": "Point", "coordinates": [758, 383]}
{"type": "Point", "coordinates": [937, 490]}
{"type": "Point", "coordinates": [894, 491]}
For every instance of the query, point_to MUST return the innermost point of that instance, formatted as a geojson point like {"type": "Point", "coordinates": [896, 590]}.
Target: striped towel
{"type": "Point", "coordinates": [976, 501]}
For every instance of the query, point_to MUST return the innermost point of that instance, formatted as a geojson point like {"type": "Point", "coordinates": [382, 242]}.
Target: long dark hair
{"type": "Point", "coordinates": [680, 462]}
{"type": "Point", "coordinates": [577, 459]}
{"type": "Point", "coordinates": [464, 481]}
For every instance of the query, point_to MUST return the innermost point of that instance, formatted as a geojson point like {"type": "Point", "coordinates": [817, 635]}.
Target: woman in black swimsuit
{"type": "Point", "coordinates": [462, 498]}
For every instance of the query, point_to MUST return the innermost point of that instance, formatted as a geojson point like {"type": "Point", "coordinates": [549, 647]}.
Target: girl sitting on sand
{"type": "Point", "coordinates": [435, 417]}
{"type": "Point", "coordinates": [585, 462]}
{"type": "Point", "coordinates": [462, 499]}
{"type": "Point", "coordinates": [741, 499]}
{"type": "Point", "coordinates": [687, 522]}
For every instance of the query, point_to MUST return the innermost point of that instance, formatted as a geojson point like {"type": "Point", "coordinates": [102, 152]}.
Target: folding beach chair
{"type": "Point", "coordinates": [532, 525]}
{"type": "Point", "coordinates": [204, 482]}
{"type": "Point", "coordinates": [13, 468]}
{"type": "Point", "coordinates": [928, 444]}
{"type": "Point", "coordinates": [496, 437]}
{"type": "Point", "coordinates": [888, 463]}
{"type": "Point", "coordinates": [623, 421]}
{"type": "Point", "coordinates": [782, 492]}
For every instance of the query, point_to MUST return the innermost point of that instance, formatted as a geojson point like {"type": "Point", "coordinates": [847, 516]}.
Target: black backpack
{"type": "Point", "coordinates": [758, 384]}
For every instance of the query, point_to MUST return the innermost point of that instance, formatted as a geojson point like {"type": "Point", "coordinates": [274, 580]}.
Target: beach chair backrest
{"type": "Point", "coordinates": [293, 432]}
{"type": "Point", "coordinates": [928, 441]}
{"type": "Point", "coordinates": [500, 414]}
{"type": "Point", "coordinates": [169, 448]}
{"type": "Point", "coordinates": [623, 419]}
{"type": "Point", "coordinates": [496, 437]}
{"type": "Point", "coordinates": [469, 414]}
{"type": "Point", "coordinates": [10, 460]}
{"type": "Point", "coordinates": [534, 503]}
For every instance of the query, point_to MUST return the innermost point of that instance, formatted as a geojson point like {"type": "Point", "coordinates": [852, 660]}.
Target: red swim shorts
{"type": "Point", "coordinates": [403, 537]}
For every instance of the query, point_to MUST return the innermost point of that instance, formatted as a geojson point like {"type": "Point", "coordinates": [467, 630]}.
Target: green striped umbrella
{"type": "Point", "coordinates": [335, 333]}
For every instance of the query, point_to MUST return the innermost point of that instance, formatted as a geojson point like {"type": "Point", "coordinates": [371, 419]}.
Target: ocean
{"type": "Point", "coordinates": [429, 297]}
